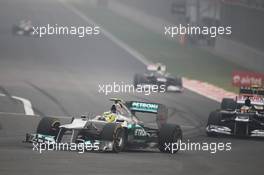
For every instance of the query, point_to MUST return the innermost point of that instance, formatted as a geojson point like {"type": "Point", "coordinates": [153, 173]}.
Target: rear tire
{"type": "Point", "coordinates": [169, 134]}
{"type": "Point", "coordinates": [48, 126]}
{"type": "Point", "coordinates": [114, 132]}
{"type": "Point", "coordinates": [228, 104]}
{"type": "Point", "coordinates": [15, 30]}
{"type": "Point", "coordinates": [137, 80]}
{"type": "Point", "coordinates": [162, 115]}
{"type": "Point", "coordinates": [178, 81]}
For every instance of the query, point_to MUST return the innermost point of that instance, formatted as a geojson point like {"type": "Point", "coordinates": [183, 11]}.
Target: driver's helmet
{"type": "Point", "coordinates": [247, 106]}
{"type": "Point", "coordinates": [161, 68]}
{"type": "Point", "coordinates": [113, 109]}
{"type": "Point", "coordinates": [117, 108]}
{"type": "Point", "coordinates": [248, 102]}
{"type": "Point", "coordinates": [109, 117]}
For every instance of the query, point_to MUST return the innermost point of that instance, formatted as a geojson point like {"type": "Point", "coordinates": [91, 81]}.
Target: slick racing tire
{"type": "Point", "coordinates": [178, 81]}
{"type": "Point", "coordinates": [48, 126]}
{"type": "Point", "coordinates": [214, 119]}
{"type": "Point", "coordinates": [114, 132]}
{"type": "Point", "coordinates": [228, 104]}
{"type": "Point", "coordinates": [168, 135]}
{"type": "Point", "coordinates": [17, 31]}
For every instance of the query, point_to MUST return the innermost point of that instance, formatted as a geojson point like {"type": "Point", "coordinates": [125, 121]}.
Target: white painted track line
{"type": "Point", "coordinates": [26, 103]}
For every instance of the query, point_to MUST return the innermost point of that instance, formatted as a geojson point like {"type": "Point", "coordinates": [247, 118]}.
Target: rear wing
{"type": "Point", "coordinates": [136, 106]}
{"type": "Point", "coordinates": [155, 108]}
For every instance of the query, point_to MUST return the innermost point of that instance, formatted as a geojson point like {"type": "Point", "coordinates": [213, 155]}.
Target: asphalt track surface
{"type": "Point", "coordinates": [60, 76]}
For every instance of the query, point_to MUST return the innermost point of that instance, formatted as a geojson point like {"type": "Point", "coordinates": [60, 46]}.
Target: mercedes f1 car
{"type": "Point", "coordinates": [243, 116]}
{"type": "Point", "coordinates": [24, 27]}
{"type": "Point", "coordinates": [156, 75]}
{"type": "Point", "coordinates": [116, 130]}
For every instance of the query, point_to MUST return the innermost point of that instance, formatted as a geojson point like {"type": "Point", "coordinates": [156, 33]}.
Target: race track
{"type": "Point", "coordinates": [60, 76]}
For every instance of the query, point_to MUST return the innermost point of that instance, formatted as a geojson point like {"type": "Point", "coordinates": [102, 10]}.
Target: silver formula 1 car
{"type": "Point", "coordinates": [156, 75]}
{"type": "Point", "coordinates": [243, 116]}
{"type": "Point", "coordinates": [116, 130]}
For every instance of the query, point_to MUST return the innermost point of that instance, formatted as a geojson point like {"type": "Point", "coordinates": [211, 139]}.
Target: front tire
{"type": "Point", "coordinates": [228, 104]}
{"type": "Point", "coordinates": [48, 126]}
{"type": "Point", "coordinates": [137, 80]}
{"type": "Point", "coordinates": [114, 132]}
{"type": "Point", "coordinates": [214, 119]}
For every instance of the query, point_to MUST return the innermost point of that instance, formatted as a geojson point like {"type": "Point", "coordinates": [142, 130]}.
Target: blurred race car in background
{"type": "Point", "coordinates": [116, 130]}
{"type": "Point", "coordinates": [243, 116]}
{"type": "Point", "coordinates": [156, 75]}
{"type": "Point", "coordinates": [24, 27]}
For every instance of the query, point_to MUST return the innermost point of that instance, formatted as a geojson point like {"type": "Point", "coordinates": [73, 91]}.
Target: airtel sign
{"type": "Point", "coordinates": [247, 79]}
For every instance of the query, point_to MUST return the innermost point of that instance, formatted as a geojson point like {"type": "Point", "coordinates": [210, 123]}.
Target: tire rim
{"type": "Point", "coordinates": [119, 141]}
